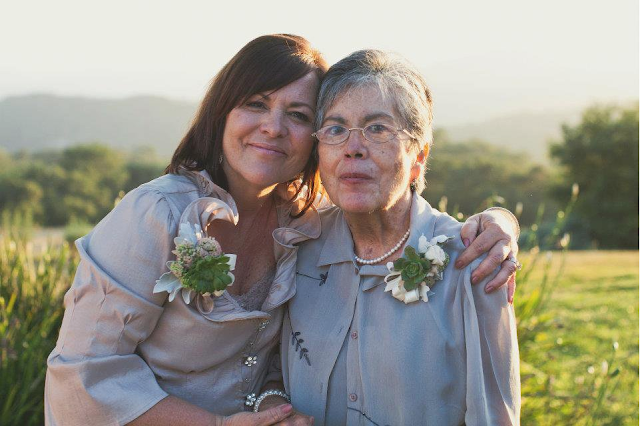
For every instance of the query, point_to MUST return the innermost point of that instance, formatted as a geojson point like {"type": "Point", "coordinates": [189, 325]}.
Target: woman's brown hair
{"type": "Point", "coordinates": [265, 64]}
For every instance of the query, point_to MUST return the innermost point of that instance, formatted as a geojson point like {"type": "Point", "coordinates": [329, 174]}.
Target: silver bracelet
{"type": "Point", "coordinates": [263, 395]}
{"type": "Point", "coordinates": [513, 217]}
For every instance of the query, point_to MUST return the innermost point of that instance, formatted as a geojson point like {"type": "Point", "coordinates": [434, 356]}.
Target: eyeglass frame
{"type": "Point", "coordinates": [398, 130]}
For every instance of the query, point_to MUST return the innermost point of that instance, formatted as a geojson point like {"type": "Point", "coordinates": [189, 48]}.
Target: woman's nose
{"type": "Point", "coordinates": [273, 124]}
{"type": "Point", "coordinates": [355, 145]}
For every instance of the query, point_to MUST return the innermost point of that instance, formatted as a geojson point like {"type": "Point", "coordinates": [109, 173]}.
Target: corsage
{"type": "Point", "coordinates": [411, 277]}
{"type": "Point", "coordinates": [201, 267]}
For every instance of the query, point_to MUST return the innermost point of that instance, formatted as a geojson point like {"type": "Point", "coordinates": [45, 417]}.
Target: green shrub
{"type": "Point", "coordinates": [32, 284]}
{"type": "Point", "coordinates": [75, 230]}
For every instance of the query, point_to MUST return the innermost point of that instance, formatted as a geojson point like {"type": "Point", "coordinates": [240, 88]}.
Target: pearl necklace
{"type": "Point", "coordinates": [387, 254]}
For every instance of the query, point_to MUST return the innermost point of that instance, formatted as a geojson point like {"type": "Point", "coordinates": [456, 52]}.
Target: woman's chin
{"type": "Point", "coordinates": [357, 204]}
{"type": "Point", "coordinates": [265, 179]}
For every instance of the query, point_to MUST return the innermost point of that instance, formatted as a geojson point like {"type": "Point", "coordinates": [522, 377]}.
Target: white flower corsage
{"type": "Point", "coordinates": [200, 266]}
{"type": "Point", "coordinates": [412, 276]}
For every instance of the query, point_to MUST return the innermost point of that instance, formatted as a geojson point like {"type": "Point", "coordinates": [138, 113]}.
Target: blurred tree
{"type": "Point", "coordinates": [18, 195]}
{"type": "Point", "coordinates": [5, 159]}
{"type": "Point", "coordinates": [52, 179]}
{"type": "Point", "coordinates": [473, 175]}
{"type": "Point", "coordinates": [601, 155]}
{"type": "Point", "coordinates": [143, 165]}
{"type": "Point", "coordinates": [76, 185]}
{"type": "Point", "coordinates": [95, 174]}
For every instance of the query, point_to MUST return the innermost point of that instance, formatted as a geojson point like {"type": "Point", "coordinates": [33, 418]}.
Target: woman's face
{"type": "Point", "coordinates": [361, 176]}
{"type": "Point", "coordinates": [267, 140]}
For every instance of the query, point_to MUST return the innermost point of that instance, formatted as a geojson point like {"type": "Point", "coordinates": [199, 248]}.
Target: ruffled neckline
{"type": "Point", "coordinates": [217, 202]}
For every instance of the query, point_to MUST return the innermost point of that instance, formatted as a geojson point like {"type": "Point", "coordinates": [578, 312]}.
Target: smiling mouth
{"type": "Point", "coordinates": [267, 149]}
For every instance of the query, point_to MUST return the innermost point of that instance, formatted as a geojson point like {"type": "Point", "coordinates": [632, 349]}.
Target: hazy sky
{"type": "Point", "coordinates": [482, 58]}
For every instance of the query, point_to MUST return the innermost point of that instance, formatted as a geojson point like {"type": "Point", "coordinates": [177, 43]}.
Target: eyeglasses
{"type": "Point", "coordinates": [376, 133]}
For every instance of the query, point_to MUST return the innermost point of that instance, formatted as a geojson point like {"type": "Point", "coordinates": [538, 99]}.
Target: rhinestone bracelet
{"type": "Point", "coordinates": [263, 395]}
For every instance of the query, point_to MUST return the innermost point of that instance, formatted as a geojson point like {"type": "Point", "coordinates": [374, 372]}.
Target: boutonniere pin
{"type": "Point", "coordinates": [200, 266]}
{"type": "Point", "coordinates": [412, 276]}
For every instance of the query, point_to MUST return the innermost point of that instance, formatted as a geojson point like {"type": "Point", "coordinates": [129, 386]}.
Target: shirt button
{"type": "Point", "coordinates": [247, 380]}
{"type": "Point", "coordinates": [353, 397]}
{"type": "Point", "coordinates": [250, 361]}
{"type": "Point", "coordinates": [354, 335]}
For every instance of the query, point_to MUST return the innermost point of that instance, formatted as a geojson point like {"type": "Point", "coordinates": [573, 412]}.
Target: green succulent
{"type": "Point", "coordinates": [208, 274]}
{"type": "Point", "coordinates": [412, 267]}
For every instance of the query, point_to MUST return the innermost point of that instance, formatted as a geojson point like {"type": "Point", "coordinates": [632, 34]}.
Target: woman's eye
{"type": "Point", "coordinates": [378, 128]}
{"type": "Point", "coordinates": [300, 116]}
{"type": "Point", "coordinates": [335, 130]}
{"type": "Point", "coordinates": [256, 104]}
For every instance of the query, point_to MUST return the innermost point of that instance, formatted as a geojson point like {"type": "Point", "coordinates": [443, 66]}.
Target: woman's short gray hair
{"type": "Point", "coordinates": [396, 78]}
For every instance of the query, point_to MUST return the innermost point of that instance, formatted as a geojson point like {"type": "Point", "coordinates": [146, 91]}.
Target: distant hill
{"type": "Point", "coordinates": [37, 122]}
{"type": "Point", "coordinates": [525, 132]}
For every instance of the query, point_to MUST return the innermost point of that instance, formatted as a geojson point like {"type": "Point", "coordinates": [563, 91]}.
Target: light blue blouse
{"type": "Point", "coordinates": [352, 354]}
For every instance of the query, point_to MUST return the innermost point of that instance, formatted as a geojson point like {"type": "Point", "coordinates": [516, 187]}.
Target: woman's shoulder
{"type": "Point", "coordinates": [440, 223]}
{"type": "Point", "coordinates": [173, 190]}
{"type": "Point", "coordinates": [170, 184]}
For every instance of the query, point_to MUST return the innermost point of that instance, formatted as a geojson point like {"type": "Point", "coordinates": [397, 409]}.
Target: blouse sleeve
{"type": "Point", "coordinates": [493, 368]}
{"type": "Point", "coordinates": [274, 370]}
{"type": "Point", "coordinates": [94, 375]}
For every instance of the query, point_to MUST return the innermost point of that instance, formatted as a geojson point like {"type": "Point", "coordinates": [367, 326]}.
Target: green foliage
{"type": "Point", "coordinates": [570, 371]}
{"type": "Point", "coordinates": [474, 175]}
{"type": "Point", "coordinates": [75, 230]}
{"type": "Point", "coordinates": [78, 184]}
{"type": "Point", "coordinates": [140, 172]}
{"type": "Point", "coordinates": [20, 194]}
{"type": "Point", "coordinates": [552, 392]}
{"type": "Point", "coordinates": [601, 155]}
{"type": "Point", "coordinates": [413, 267]}
{"type": "Point", "coordinates": [33, 279]}
{"type": "Point", "coordinates": [208, 274]}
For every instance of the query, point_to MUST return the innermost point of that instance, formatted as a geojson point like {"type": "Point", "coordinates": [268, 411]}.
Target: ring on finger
{"type": "Point", "coordinates": [515, 262]}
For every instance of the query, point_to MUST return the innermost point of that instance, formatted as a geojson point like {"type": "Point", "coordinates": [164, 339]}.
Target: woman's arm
{"type": "Point", "coordinates": [494, 231]}
{"type": "Point", "coordinates": [93, 374]}
{"type": "Point", "coordinates": [295, 419]}
{"type": "Point", "coordinates": [493, 366]}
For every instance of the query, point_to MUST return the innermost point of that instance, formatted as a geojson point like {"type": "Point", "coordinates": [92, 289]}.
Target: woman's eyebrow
{"type": "Point", "coordinates": [377, 115]}
{"type": "Point", "coordinates": [299, 104]}
{"type": "Point", "coordinates": [337, 119]}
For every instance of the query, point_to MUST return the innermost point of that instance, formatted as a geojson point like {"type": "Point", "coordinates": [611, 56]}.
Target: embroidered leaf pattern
{"type": "Point", "coordinates": [297, 344]}
{"type": "Point", "coordinates": [321, 280]}
{"type": "Point", "coordinates": [365, 416]}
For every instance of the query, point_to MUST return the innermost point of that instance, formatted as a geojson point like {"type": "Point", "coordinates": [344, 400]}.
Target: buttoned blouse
{"type": "Point", "coordinates": [352, 354]}
{"type": "Point", "coordinates": [122, 348]}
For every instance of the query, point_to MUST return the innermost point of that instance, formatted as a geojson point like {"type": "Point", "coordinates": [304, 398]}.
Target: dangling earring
{"type": "Point", "coordinates": [220, 159]}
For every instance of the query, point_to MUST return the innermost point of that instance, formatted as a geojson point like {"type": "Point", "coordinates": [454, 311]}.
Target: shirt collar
{"type": "Point", "coordinates": [338, 246]}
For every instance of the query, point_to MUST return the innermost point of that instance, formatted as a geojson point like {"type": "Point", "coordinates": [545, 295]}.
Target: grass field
{"type": "Point", "coordinates": [571, 309]}
{"type": "Point", "coordinates": [572, 360]}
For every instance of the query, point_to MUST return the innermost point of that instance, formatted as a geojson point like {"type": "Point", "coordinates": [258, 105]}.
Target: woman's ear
{"type": "Point", "coordinates": [421, 160]}
{"type": "Point", "coordinates": [423, 154]}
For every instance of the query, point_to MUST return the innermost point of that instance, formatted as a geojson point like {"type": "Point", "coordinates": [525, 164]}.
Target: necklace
{"type": "Point", "coordinates": [387, 254]}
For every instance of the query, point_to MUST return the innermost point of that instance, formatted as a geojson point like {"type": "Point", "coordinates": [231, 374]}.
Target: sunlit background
{"type": "Point", "coordinates": [483, 59]}
{"type": "Point", "coordinates": [536, 110]}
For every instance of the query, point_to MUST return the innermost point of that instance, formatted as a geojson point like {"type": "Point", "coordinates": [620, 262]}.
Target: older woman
{"type": "Point", "coordinates": [369, 342]}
